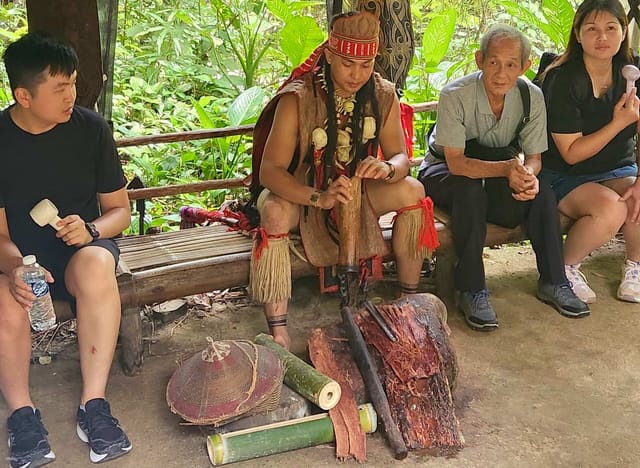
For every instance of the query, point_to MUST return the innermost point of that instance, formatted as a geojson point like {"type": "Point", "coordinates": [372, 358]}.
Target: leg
{"type": "Point", "coordinates": [467, 201]}
{"type": "Point", "coordinates": [629, 289]}
{"type": "Point", "coordinates": [90, 278]}
{"type": "Point", "coordinates": [277, 217]}
{"type": "Point", "coordinates": [542, 225]}
{"type": "Point", "coordinates": [15, 349]}
{"type": "Point", "coordinates": [392, 197]}
{"type": "Point", "coordinates": [28, 444]}
{"type": "Point", "coordinates": [630, 231]}
{"type": "Point", "coordinates": [598, 214]}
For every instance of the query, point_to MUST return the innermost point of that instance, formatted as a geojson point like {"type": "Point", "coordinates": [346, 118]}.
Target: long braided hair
{"type": "Point", "coordinates": [365, 99]}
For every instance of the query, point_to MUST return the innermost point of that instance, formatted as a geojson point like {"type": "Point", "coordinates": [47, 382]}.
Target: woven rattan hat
{"type": "Point", "coordinates": [227, 380]}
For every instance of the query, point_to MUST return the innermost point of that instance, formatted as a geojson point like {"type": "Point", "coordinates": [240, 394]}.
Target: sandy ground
{"type": "Point", "coordinates": [542, 391]}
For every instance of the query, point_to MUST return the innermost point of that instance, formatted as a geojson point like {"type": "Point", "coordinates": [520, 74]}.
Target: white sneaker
{"type": "Point", "coordinates": [579, 284]}
{"type": "Point", "coordinates": [629, 289]}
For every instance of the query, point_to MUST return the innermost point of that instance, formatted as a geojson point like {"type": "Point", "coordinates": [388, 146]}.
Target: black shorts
{"type": "Point", "coordinates": [56, 262]}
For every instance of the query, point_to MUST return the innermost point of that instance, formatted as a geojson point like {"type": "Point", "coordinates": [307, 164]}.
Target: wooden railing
{"type": "Point", "coordinates": [196, 187]}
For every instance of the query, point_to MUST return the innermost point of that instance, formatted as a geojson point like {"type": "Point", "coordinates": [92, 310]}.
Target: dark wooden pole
{"type": "Point", "coordinates": [396, 38]}
{"type": "Point", "coordinates": [76, 22]}
{"type": "Point", "coordinates": [108, 20]}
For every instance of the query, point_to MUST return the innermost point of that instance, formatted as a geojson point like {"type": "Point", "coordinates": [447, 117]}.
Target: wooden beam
{"type": "Point", "coordinates": [77, 23]}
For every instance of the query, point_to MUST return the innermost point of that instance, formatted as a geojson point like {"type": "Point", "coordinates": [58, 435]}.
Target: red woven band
{"type": "Point", "coordinates": [352, 48]}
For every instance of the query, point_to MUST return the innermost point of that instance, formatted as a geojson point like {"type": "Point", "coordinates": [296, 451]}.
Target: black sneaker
{"type": "Point", "coordinates": [101, 431]}
{"type": "Point", "coordinates": [563, 299]}
{"type": "Point", "coordinates": [28, 444]}
{"type": "Point", "coordinates": [477, 310]}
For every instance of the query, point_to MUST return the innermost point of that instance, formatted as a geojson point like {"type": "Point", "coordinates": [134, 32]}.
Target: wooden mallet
{"type": "Point", "coordinates": [45, 213]}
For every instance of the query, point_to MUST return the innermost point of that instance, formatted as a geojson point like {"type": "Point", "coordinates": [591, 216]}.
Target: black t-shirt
{"type": "Point", "coordinates": [572, 108]}
{"type": "Point", "coordinates": [70, 164]}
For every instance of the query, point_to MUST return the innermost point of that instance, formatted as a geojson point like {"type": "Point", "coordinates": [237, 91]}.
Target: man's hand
{"type": "Point", "coordinates": [73, 231]}
{"type": "Point", "coordinates": [372, 168]}
{"type": "Point", "coordinates": [632, 197]}
{"type": "Point", "coordinates": [520, 177]}
{"type": "Point", "coordinates": [530, 193]}
{"type": "Point", "coordinates": [22, 291]}
{"type": "Point", "coordinates": [338, 191]}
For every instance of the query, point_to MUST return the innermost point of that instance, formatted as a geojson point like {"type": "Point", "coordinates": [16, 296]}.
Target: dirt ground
{"type": "Point", "coordinates": [542, 391]}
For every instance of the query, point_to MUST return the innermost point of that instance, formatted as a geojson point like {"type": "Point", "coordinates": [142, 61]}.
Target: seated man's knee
{"type": "Point", "coordinates": [469, 192]}
{"type": "Point", "coordinates": [91, 268]}
{"type": "Point", "coordinates": [12, 314]}
{"type": "Point", "coordinates": [276, 214]}
{"type": "Point", "coordinates": [411, 190]}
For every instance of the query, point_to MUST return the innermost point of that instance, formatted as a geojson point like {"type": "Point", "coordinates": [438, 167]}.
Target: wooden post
{"type": "Point", "coordinates": [76, 22]}
{"type": "Point", "coordinates": [396, 38]}
{"type": "Point", "coordinates": [349, 224]}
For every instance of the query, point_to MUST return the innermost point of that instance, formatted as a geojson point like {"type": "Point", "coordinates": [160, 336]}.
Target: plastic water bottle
{"type": "Point", "coordinates": [41, 314]}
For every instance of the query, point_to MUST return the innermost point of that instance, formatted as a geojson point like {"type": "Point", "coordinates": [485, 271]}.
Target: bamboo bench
{"type": "Point", "coordinates": [158, 267]}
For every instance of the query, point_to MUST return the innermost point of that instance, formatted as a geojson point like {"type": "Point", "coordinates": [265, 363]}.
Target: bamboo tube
{"type": "Point", "coordinates": [280, 437]}
{"type": "Point", "coordinates": [303, 378]}
{"type": "Point", "coordinates": [349, 223]}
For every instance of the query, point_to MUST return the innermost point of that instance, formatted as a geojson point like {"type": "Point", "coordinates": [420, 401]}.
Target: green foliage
{"type": "Point", "coordinates": [192, 64]}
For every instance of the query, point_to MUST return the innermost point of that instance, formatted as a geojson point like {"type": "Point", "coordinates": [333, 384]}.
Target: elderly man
{"type": "Point", "coordinates": [475, 171]}
{"type": "Point", "coordinates": [326, 125]}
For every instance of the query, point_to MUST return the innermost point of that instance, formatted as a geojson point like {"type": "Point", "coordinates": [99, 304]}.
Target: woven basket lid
{"type": "Point", "coordinates": [226, 380]}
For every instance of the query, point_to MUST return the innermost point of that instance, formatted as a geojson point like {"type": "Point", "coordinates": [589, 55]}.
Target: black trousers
{"type": "Point", "coordinates": [474, 202]}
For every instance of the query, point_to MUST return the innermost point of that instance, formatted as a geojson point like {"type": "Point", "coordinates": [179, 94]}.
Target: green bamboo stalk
{"type": "Point", "coordinates": [280, 437]}
{"type": "Point", "coordinates": [303, 378]}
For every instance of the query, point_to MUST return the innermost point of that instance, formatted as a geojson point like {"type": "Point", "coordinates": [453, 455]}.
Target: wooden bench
{"type": "Point", "coordinates": [159, 267]}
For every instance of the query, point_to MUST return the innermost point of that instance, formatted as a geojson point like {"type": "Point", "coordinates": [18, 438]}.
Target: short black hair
{"type": "Point", "coordinates": [27, 58]}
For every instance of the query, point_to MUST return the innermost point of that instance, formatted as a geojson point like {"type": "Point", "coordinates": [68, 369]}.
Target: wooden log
{"type": "Point", "coordinates": [280, 437]}
{"type": "Point", "coordinates": [415, 375]}
{"type": "Point", "coordinates": [184, 136]}
{"type": "Point", "coordinates": [349, 223]}
{"type": "Point", "coordinates": [372, 384]}
{"type": "Point", "coordinates": [303, 378]}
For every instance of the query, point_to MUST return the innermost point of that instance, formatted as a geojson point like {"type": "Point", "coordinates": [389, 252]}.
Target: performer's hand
{"type": "Point", "coordinates": [337, 191]}
{"type": "Point", "coordinates": [372, 168]}
{"type": "Point", "coordinates": [20, 290]}
{"type": "Point", "coordinates": [73, 231]}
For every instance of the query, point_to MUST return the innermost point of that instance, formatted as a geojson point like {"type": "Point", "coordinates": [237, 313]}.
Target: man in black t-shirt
{"type": "Point", "coordinates": [53, 149]}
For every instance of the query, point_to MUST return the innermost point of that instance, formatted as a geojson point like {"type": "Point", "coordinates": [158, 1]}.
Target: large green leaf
{"type": "Point", "coordinates": [437, 37]}
{"type": "Point", "coordinates": [246, 107]}
{"type": "Point", "coordinates": [559, 14]}
{"type": "Point", "coordinates": [299, 38]}
{"type": "Point", "coordinates": [203, 116]}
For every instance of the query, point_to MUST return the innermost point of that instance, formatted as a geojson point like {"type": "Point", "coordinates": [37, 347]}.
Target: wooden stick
{"type": "Point", "coordinates": [303, 378]}
{"type": "Point", "coordinates": [372, 384]}
{"type": "Point", "coordinates": [349, 223]}
{"type": "Point", "coordinates": [280, 437]}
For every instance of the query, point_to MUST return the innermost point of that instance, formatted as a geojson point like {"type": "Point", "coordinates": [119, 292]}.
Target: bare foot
{"type": "Point", "coordinates": [281, 336]}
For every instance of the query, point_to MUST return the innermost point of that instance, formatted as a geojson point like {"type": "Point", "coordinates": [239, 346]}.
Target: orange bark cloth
{"type": "Point", "coordinates": [350, 439]}
{"type": "Point", "coordinates": [415, 379]}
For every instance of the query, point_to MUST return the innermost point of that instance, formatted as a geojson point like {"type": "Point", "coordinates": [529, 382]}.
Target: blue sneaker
{"type": "Point", "coordinates": [477, 310]}
{"type": "Point", "coordinates": [101, 431]}
{"type": "Point", "coordinates": [28, 444]}
{"type": "Point", "coordinates": [563, 299]}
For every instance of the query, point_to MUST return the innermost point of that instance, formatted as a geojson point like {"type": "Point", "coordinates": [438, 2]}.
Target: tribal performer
{"type": "Point", "coordinates": [328, 123]}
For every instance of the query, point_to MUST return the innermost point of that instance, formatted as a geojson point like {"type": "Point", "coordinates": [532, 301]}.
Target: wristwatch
{"type": "Point", "coordinates": [95, 234]}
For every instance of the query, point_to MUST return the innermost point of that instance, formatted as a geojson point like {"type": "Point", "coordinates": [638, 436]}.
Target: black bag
{"type": "Point", "coordinates": [475, 150]}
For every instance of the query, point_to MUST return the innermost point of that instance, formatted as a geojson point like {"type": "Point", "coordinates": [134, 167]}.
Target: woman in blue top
{"type": "Point", "coordinates": [592, 124]}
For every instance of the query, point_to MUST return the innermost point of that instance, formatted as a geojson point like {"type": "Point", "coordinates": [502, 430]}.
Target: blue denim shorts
{"type": "Point", "coordinates": [563, 183]}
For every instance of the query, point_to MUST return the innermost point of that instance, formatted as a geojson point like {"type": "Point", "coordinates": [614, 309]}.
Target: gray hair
{"type": "Point", "coordinates": [503, 31]}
